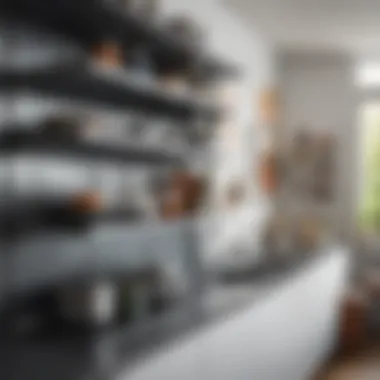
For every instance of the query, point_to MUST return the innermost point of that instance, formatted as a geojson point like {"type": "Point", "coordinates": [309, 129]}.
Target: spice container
{"type": "Point", "coordinates": [108, 53]}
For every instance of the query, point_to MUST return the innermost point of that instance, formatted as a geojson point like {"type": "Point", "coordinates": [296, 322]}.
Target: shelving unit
{"type": "Point", "coordinates": [47, 259]}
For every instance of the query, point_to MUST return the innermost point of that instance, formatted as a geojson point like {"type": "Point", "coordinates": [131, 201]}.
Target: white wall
{"type": "Point", "coordinates": [235, 42]}
{"type": "Point", "coordinates": [318, 94]}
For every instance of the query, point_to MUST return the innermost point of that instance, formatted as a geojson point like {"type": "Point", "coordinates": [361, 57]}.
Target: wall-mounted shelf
{"type": "Point", "coordinates": [18, 141]}
{"type": "Point", "coordinates": [48, 259]}
{"type": "Point", "coordinates": [105, 87]}
{"type": "Point", "coordinates": [89, 22]}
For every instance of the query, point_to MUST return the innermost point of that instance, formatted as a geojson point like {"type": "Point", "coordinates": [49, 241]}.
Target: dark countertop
{"type": "Point", "coordinates": [107, 355]}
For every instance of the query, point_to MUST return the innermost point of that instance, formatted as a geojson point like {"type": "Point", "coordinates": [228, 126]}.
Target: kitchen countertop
{"type": "Point", "coordinates": [111, 353]}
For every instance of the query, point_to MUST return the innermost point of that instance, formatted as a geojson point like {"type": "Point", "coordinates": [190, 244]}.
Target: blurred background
{"type": "Point", "coordinates": [189, 189]}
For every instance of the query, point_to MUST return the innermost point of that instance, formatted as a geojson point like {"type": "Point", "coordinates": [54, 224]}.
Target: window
{"type": "Point", "coordinates": [368, 75]}
{"type": "Point", "coordinates": [370, 181]}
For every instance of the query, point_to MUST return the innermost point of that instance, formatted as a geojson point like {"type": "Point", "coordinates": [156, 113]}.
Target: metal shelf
{"type": "Point", "coordinates": [50, 259]}
{"type": "Point", "coordinates": [108, 88]}
{"type": "Point", "coordinates": [15, 142]}
{"type": "Point", "coordinates": [91, 21]}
